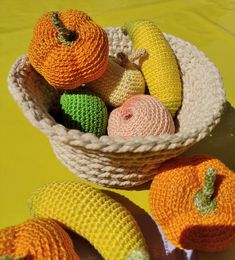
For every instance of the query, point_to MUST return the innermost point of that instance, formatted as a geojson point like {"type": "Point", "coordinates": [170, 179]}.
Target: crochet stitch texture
{"type": "Point", "coordinates": [105, 223]}
{"type": "Point", "coordinates": [85, 111]}
{"type": "Point", "coordinates": [140, 115]}
{"type": "Point", "coordinates": [68, 66]}
{"type": "Point", "coordinates": [160, 68]}
{"type": "Point", "coordinates": [174, 200]}
{"type": "Point", "coordinates": [37, 239]}
{"type": "Point", "coordinates": [118, 83]}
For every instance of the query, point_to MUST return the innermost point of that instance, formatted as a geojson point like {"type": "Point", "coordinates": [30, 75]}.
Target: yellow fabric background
{"type": "Point", "coordinates": [26, 158]}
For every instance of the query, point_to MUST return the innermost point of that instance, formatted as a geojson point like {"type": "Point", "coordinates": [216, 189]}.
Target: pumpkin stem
{"type": "Point", "coordinates": [65, 36]}
{"type": "Point", "coordinates": [203, 199]}
{"type": "Point", "coordinates": [5, 257]}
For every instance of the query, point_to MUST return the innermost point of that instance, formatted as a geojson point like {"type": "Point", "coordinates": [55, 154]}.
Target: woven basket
{"type": "Point", "coordinates": [115, 161]}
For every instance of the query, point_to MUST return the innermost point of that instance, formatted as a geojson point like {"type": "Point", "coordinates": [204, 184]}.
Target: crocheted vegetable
{"type": "Point", "coordinates": [160, 69]}
{"type": "Point", "coordinates": [36, 239]}
{"type": "Point", "coordinates": [84, 111]}
{"type": "Point", "coordinates": [68, 48]}
{"type": "Point", "coordinates": [140, 115]}
{"type": "Point", "coordinates": [107, 225]}
{"type": "Point", "coordinates": [192, 200]}
{"type": "Point", "coordinates": [118, 83]}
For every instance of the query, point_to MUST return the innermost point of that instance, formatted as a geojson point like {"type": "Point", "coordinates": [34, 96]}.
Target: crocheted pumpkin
{"type": "Point", "coordinates": [105, 223]}
{"type": "Point", "coordinates": [192, 199]}
{"type": "Point", "coordinates": [68, 49]}
{"type": "Point", "coordinates": [85, 111]}
{"type": "Point", "coordinates": [36, 239]}
{"type": "Point", "coordinates": [119, 82]}
{"type": "Point", "coordinates": [160, 68]}
{"type": "Point", "coordinates": [140, 115]}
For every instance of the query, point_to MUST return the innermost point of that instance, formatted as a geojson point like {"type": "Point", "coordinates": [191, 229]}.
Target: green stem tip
{"type": "Point", "coordinates": [11, 258]}
{"type": "Point", "coordinates": [65, 36]}
{"type": "Point", "coordinates": [203, 199]}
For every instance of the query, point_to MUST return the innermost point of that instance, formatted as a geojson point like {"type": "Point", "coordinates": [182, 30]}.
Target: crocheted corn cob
{"type": "Point", "coordinates": [68, 49]}
{"type": "Point", "coordinates": [36, 239]}
{"type": "Point", "coordinates": [192, 199]}
{"type": "Point", "coordinates": [95, 216]}
{"type": "Point", "coordinates": [141, 115]}
{"type": "Point", "coordinates": [85, 111]}
{"type": "Point", "coordinates": [160, 69]}
{"type": "Point", "coordinates": [118, 83]}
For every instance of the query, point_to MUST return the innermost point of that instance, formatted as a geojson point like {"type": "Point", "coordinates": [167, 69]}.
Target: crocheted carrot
{"type": "Point", "coordinates": [108, 226]}
{"type": "Point", "coordinates": [68, 49]}
{"type": "Point", "coordinates": [36, 239]}
{"type": "Point", "coordinates": [140, 115]}
{"type": "Point", "coordinates": [192, 200]}
{"type": "Point", "coordinates": [160, 68]}
{"type": "Point", "coordinates": [120, 81]}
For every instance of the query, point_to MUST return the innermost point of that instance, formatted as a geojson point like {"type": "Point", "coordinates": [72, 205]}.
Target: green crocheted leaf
{"type": "Point", "coordinates": [85, 111]}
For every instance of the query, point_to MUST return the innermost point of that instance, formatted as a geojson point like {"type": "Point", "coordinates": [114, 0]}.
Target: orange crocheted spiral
{"type": "Point", "coordinates": [68, 49]}
{"type": "Point", "coordinates": [37, 239]}
{"type": "Point", "coordinates": [193, 200]}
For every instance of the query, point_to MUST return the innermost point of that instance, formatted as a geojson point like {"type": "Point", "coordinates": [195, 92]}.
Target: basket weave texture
{"type": "Point", "coordinates": [116, 161]}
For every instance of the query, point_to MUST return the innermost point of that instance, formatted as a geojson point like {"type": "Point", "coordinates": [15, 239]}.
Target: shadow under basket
{"type": "Point", "coordinates": [116, 161]}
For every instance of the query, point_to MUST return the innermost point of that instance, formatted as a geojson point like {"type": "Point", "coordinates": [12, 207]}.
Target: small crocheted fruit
{"type": "Point", "coordinates": [192, 199]}
{"type": "Point", "coordinates": [119, 82]}
{"type": "Point", "coordinates": [160, 68]}
{"type": "Point", "coordinates": [85, 111]}
{"type": "Point", "coordinates": [36, 239]}
{"type": "Point", "coordinates": [68, 49]}
{"type": "Point", "coordinates": [105, 223]}
{"type": "Point", "coordinates": [140, 115]}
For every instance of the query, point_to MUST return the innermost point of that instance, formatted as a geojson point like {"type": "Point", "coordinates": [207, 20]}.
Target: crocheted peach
{"type": "Point", "coordinates": [193, 200]}
{"type": "Point", "coordinates": [140, 115]}
{"type": "Point", "coordinates": [119, 82]}
{"type": "Point", "coordinates": [68, 48]}
{"type": "Point", "coordinates": [36, 239]}
{"type": "Point", "coordinates": [105, 223]}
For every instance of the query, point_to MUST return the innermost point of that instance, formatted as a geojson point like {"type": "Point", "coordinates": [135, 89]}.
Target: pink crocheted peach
{"type": "Point", "coordinates": [140, 115]}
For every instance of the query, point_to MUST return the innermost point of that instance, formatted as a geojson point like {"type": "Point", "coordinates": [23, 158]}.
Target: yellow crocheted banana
{"type": "Point", "coordinates": [107, 225]}
{"type": "Point", "coordinates": [119, 82]}
{"type": "Point", "coordinates": [160, 68]}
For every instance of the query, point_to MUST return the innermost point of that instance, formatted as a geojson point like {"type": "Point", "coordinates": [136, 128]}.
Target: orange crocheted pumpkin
{"type": "Point", "coordinates": [68, 48]}
{"type": "Point", "coordinates": [193, 200]}
{"type": "Point", "coordinates": [36, 239]}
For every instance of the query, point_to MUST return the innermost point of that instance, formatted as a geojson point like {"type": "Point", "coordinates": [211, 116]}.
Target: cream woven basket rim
{"type": "Point", "coordinates": [46, 123]}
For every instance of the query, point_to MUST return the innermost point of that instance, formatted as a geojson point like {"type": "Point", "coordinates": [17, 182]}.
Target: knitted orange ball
{"type": "Point", "coordinates": [68, 48]}
{"type": "Point", "coordinates": [140, 115]}
{"type": "Point", "coordinates": [36, 239]}
{"type": "Point", "coordinates": [193, 200]}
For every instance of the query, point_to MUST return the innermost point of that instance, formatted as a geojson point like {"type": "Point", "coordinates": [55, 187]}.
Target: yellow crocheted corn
{"type": "Point", "coordinates": [160, 68]}
{"type": "Point", "coordinates": [107, 225]}
{"type": "Point", "coordinates": [119, 83]}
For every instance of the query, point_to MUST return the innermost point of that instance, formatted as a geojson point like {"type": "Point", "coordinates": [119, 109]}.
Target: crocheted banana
{"type": "Point", "coordinates": [160, 69]}
{"type": "Point", "coordinates": [119, 82]}
{"type": "Point", "coordinates": [95, 216]}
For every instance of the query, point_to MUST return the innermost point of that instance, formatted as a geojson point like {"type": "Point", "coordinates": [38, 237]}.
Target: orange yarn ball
{"type": "Point", "coordinates": [193, 200]}
{"type": "Point", "coordinates": [68, 49]}
{"type": "Point", "coordinates": [140, 115]}
{"type": "Point", "coordinates": [37, 239]}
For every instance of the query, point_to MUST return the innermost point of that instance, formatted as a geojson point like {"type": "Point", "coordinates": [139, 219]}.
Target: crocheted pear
{"type": "Point", "coordinates": [36, 239]}
{"type": "Point", "coordinates": [85, 111]}
{"type": "Point", "coordinates": [140, 115]}
{"type": "Point", "coordinates": [192, 199]}
{"type": "Point", "coordinates": [105, 223]}
{"type": "Point", "coordinates": [160, 68]}
{"type": "Point", "coordinates": [68, 48]}
{"type": "Point", "coordinates": [121, 80]}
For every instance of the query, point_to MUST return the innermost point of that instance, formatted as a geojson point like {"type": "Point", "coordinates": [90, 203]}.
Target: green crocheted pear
{"type": "Point", "coordinates": [85, 111]}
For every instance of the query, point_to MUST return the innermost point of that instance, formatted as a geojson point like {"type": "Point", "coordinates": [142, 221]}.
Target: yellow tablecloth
{"type": "Point", "coordinates": [26, 158]}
